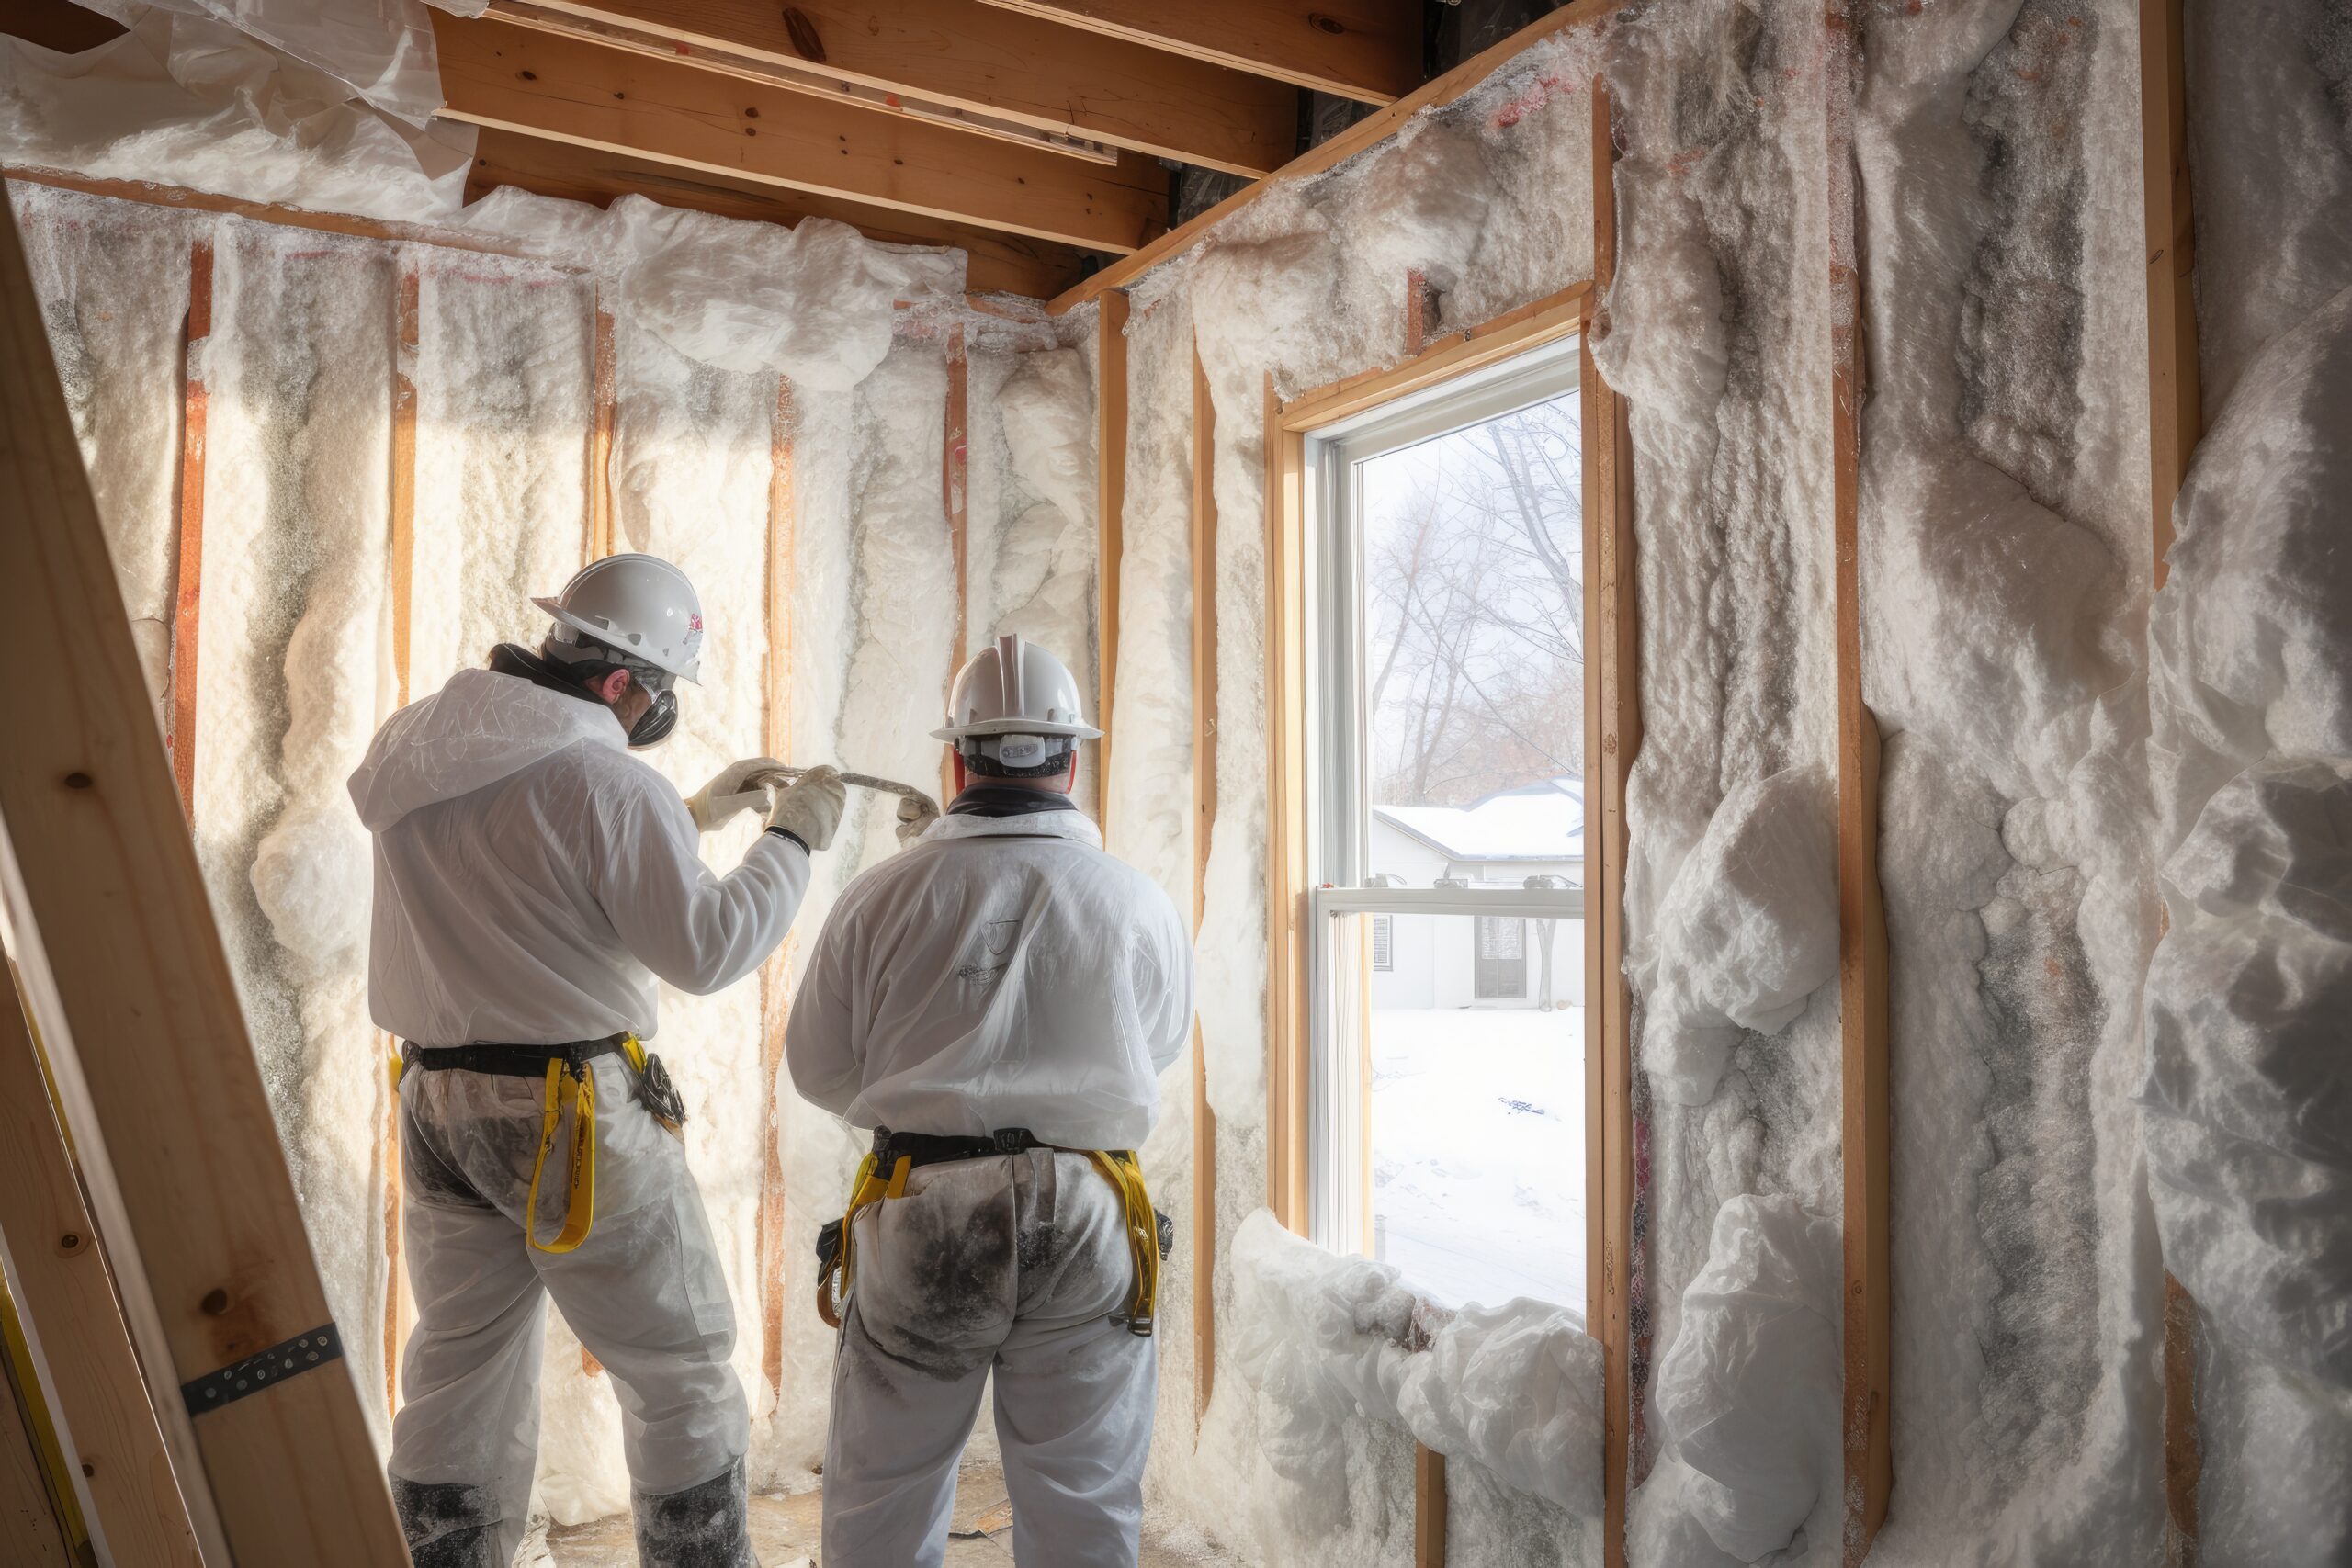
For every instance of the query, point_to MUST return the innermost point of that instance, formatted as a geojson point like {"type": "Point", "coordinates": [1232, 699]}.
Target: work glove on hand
{"type": "Point", "coordinates": [736, 788]}
{"type": "Point", "coordinates": [810, 807]}
{"type": "Point", "coordinates": [915, 817]}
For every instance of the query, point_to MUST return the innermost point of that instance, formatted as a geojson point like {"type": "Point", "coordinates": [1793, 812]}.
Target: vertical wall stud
{"type": "Point", "coordinates": [180, 736]}
{"type": "Point", "coordinates": [954, 496]}
{"type": "Point", "coordinates": [1205, 746]}
{"type": "Point", "coordinates": [2176, 419]}
{"type": "Point", "coordinates": [1861, 915]}
{"type": "Point", "coordinates": [604, 391]}
{"type": "Point", "coordinates": [406, 337]}
{"type": "Point", "coordinates": [1613, 734]}
{"type": "Point", "coordinates": [1111, 499]}
{"type": "Point", "coordinates": [774, 975]}
{"type": "Point", "coordinates": [1429, 1507]}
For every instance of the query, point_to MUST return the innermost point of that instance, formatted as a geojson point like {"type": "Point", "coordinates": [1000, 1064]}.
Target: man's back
{"type": "Point", "coordinates": [1003, 972]}
{"type": "Point", "coordinates": [532, 877]}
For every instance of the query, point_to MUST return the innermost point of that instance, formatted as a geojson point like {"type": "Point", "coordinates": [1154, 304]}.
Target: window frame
{"type": "Point", "coordinates": [1318, 1117]}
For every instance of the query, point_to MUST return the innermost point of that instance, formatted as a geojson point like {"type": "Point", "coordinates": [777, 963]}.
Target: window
{"type": "Point", "coordinates": [1443, 829]}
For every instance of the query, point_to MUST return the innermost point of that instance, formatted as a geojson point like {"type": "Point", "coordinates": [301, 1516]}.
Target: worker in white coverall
{"type": "Point", "coordinates": [532, 879]}
{"type": "Point", "coordinates": [996, 1001]}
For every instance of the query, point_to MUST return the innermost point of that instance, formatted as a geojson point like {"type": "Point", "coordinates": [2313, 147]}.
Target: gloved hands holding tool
{"type": "Point", "coordinates": [736, 788]}
{"type": "Point", "coordinates": [809, 808]}
{"type": "Point", "coordinates": [916, 814]}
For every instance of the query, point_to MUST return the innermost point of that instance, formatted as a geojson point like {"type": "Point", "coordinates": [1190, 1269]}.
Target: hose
{"type": "Point", "coordinates": [863, 781]}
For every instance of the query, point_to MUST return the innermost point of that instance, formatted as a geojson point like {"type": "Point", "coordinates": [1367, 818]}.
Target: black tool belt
{"type": "Point", "coordinates": [510, 1061]}
{"type": "Point", "coordinates": [923, 1149]}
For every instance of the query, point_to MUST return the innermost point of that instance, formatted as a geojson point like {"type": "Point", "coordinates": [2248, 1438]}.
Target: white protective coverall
{"type": "Point", "coordinates": [1003, 972]}
{"type": "Point", "coordinates": [532, 880]}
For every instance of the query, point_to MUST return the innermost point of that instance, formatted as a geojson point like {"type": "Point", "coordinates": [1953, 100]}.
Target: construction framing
{"type": "Point", "coordinates": [125, 972]}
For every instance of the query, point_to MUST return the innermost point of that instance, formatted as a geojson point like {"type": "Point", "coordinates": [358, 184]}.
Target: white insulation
{"type": "Point", "coordinates": [2113, 842]}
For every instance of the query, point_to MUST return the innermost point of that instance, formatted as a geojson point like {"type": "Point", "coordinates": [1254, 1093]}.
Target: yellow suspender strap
{"type": "Point", "coordinates": [870, 1187]}
{"type": "Point", "coordinates": [580, 1207]}
{"type": "Point", "coordinates": [1120, 1167]}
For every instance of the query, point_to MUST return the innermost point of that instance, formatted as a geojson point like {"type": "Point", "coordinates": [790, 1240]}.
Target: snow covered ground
{"type": "Point", "coordinates": [1478, 1151]}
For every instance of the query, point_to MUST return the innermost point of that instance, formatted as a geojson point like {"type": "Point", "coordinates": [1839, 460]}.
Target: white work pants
{"type": "Point", "coordinates": [643, 1291]}
{"type": "Point", "coordinates": [1014, 1264]}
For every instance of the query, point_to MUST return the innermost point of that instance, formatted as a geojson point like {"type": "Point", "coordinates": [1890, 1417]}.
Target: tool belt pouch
{"type": "Point", "coordinates": [658, 1094]}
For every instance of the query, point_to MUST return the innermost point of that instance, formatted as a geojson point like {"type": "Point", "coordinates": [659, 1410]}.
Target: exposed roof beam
{"type": "Point", "coordinates": [589, 95]}
{"type": "Point", "coordinates": [1365, 133]}
{"type": "Point", "coordinates": [1366, 50]}
{"type": "Point", "coordinates": [971, 58]}
{"type": "Point", "coordinates": [1010, 264]}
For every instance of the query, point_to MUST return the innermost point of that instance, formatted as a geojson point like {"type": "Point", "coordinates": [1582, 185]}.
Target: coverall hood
{"type": "Point", "coordinates": [477, 729]}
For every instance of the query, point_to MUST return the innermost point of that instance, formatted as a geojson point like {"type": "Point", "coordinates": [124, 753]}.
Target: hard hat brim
{"type": "Point", "coordinates": [1017, 727]}
{"type": "Point", "coordinates": [691, 671]}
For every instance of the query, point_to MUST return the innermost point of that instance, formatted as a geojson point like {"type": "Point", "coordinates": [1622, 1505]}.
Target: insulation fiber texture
{"type": "Point", "coordinates": [2243, 1098]}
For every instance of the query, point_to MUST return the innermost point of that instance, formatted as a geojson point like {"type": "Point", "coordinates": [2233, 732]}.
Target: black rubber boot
{"type": "Point", "coordinates": [449, 1524]}
{"type": "Point", "coordinates": [707, 1526]}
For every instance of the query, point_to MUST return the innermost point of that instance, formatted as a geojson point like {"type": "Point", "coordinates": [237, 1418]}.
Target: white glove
{"type": "Point", "coordinates": [736, 788]}
{"type": "Point", "coordinates": [915, 817]}
{"type": "Point", "coordinates": [809, 808]}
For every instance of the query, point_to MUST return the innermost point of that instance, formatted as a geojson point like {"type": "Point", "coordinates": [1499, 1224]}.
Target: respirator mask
{"type": "Point", "coordinates": [592, 661]}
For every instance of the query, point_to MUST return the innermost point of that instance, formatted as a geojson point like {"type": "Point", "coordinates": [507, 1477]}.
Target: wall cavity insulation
{"type": "Point", "coordinates": [2114, 802]}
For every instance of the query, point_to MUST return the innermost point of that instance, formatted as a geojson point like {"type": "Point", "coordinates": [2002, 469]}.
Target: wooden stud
{"type": "Point", "coordinates": [58, 1278]}
{"type": "Point", "coordinates": [405, 333]}
{"type": "Point", "coordinates": [1367, 132]}
{"type": "Point", "coordinates": [1416, 311]}
{"type": "Point", "coordinates": [1613, 734]}
{"type": "Point", "coordinates": [957, 59]}
{"type": "Point", "coordinates": [2176, 414]}
{"type": "Point", "coordinates": [955, 497]}
{"type": "Point", "coordinates": [1862, 914]}
{"type": "Point", "coordinates": [565, 89]}
{"type": "Point", "coordinates": [1429, 1507]}
{"type": "Point", "coordinates": [1205, 747]}
{"type": "Point", "coordinates": [775, 996]}
{"type": "Point", "coordinates": [605, 391]}
{"type": "Point", "coordinates": [1286, 979]}
{"type": "Point", "coordinates": [125, 972]}
{"type": "Point", "coordinates": [2176, 420]}
{"type": "Point", "coordinates": [180, 735]}
{"type": "Point", "coordinates": [1109, 505]}
{"type": "Point", "coordinates": [28, 1518]}
{"type": "Point", "coordinates": [1366, 49]}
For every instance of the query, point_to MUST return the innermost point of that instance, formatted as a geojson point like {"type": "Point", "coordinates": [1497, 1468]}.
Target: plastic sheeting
{"type": "Point", "coordinates": [187, 100]}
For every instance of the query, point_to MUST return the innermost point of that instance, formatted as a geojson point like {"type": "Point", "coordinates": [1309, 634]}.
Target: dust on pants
{"type": "Point", "coordinates": [1010, 1264]}
{"type": "Point", "coordinates": [643, 1291]}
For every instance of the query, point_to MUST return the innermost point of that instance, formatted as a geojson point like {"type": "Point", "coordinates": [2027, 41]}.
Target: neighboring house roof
{"type": "Point", "coordinates": [1535, 822]}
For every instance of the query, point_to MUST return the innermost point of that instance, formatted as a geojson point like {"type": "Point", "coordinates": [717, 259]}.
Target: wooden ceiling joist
{"type": "Point", "coordinates": [499, 75]}
{"type": "Point", "coordinates": [1366, 50]}
{"type": "Point", "coordinates": [968, 59]}
{"type": "Point", "coordinates": [999, 263]}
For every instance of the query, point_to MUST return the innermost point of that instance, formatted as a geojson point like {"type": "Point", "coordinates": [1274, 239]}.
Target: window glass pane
{"type": "Point", "coordinates": [1383, 936]}
{"type": "Point", "coordinates": [1477, 1108]}
{"type": "Point", "coordinates": [1473, 677]}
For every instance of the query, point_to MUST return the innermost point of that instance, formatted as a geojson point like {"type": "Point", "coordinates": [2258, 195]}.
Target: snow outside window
{"type": "Point", "coordinates": [1446, 822]}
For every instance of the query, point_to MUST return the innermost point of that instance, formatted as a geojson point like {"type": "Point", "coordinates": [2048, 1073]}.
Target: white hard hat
{"type": "Point", "coordinates": [640, 604]}
{"type": "Point", "coordinates": [1012, 687]}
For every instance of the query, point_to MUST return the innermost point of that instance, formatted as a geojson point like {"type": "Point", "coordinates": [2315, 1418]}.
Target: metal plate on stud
{"type": "Point", "coordinates": [254, 1373]}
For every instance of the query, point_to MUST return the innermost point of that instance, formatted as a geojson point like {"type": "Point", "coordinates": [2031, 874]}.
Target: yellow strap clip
{"type": "Point", "coordinates": [580, 1207]}
{"type": "Point", "coordinates": [1124, 1173]}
